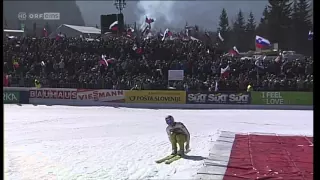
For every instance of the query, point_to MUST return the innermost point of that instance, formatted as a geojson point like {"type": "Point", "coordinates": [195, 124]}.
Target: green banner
{"type": "Point", "coordinates": [11, 97]}
{"type": "Point", "coordinates": [282, 98]}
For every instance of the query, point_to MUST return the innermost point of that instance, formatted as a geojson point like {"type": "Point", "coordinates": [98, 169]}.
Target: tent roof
{"type": "Point", "coordinates": [84, 29]}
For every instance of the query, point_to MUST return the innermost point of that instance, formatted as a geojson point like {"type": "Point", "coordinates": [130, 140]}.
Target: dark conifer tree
{"type": "Point", "coordinates": [279, 22]}
{"type": "Point", "coordinates": [262, 29]}
{"type": "Point", "coordinates": [239, 32]}
{"type": "Point", "coordinates": [250, 32]}
{"type": "Point", "coordinates": [302, 24]}
{"type": "Point", "coordinates": [224, 28]}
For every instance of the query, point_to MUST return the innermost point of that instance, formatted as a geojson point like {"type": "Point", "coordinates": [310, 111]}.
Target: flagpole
{"type": "Point", "coordinates": [118, 24]}
{"type": "Point", "coordinates": [120, 5]}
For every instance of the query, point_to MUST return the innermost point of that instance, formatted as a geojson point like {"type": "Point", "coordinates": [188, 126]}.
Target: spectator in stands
{"type": "Point", "coordinates": [5, 80]}
{"type": "Point", "coordinates": [144, 64]}
{"type": "Point", "coordinates": [37, 83]}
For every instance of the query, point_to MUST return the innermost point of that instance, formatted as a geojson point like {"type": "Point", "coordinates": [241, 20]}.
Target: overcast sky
{"type": "Point", "coordinates": [172, 13]}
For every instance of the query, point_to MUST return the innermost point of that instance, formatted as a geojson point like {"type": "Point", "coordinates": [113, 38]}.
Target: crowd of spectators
{"type": "Point", "coordinates": [143, 64]}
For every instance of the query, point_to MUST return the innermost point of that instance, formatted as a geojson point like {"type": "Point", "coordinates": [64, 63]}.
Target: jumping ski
{"type": "Point", "coordinates": [165, 158]}
{"type": "Point", "coordinates": [175, 158]}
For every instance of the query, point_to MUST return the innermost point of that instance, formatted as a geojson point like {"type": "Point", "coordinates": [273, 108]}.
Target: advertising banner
{"type": "Point", "coordinates": [53, 93]}
{"type": "Point", "coordinates": [155, 97]}
{"type": "Point", "coordinates": [11, 97]}
{"type": "Point", "coordinates": [102, 95]}
{"type": "Point", "coordinates": [81, 95]}
{"type": "Point", "coordinates": [217, 98]}
{"type": "Point", "coordinates": [282, 98]}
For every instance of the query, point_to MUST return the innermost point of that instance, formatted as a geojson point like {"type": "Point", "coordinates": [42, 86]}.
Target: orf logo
{"type": "Point", "coordinates": [22, 16]}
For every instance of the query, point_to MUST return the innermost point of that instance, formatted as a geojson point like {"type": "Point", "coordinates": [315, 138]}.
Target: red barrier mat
{"type": "Point", "coordinates": [271, 157]}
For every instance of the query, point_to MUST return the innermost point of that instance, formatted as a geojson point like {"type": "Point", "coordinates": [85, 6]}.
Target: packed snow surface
{"type": "Point", "coordinates": [101, 143]}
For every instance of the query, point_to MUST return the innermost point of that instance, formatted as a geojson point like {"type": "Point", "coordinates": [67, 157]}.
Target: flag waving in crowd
{"type": "Point", "coordinates": [45, 32]}
{"type": "Point", "coordinates": [220, 37]}
{"type": "Point", "coordinates": [149, 20]}
{"type": "Point", "coordinates": [130, 30]}
{"type": "Point", "coordinates": [262, 42]}
{"type": "Point", "coordinates": [234, 51]}
{"type": "Point", "coordinates": [114, 26]}
{"type": "Point", "coordinates": [105, 61]}
{"type": "Point", "coordinates": [167, 33]}
{"type": "Point", "coordinates": [225, 72]}
{"type": "Point", "coordinates": [146, 26]}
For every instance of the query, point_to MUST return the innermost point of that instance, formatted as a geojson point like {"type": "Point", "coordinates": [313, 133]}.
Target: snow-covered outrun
{"type": "Point", "coordinates": [101, 143]}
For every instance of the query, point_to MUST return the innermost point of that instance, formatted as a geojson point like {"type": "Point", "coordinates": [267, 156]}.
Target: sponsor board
{"type": "Point", "coordinates": [217, 98]}
{"type": "Point", "coordinates": [101, 95]}
{"type": "Point", "coordinates": [52, 93]}
{"type": "Point", "coordinates": [11, 97]}
{"type": "Point", "coordinates": [83, 95]}
{"type": "Point", "coordinates": [282, 98]}
{"type": "Point", "coordinates": [156, 97]}
{"type": "Point", "coordinates": [74, 94]}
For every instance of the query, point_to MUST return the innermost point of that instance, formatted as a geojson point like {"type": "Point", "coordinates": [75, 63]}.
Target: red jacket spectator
{"type": "Point", "coordinates": [5, 80]}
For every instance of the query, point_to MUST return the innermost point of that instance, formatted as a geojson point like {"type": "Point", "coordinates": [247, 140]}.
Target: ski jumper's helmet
{"type": "Point", "coordinates": [169, 120]}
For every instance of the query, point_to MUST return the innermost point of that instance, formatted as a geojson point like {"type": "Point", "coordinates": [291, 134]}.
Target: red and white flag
{"type": "Point", "coordinates": [45, 32]}
{"type": "Point", "coordinates": [59, 36]}
{"type": "Point", "coordinates": [167, 33]}
{"type": "Point", "coordinates": [225, 72]}
{"type": "Point", "coordinates": [114, 26]}
{"type": "Point", "coordinates": [234, 51]}
{"type": "Point", "coordinates": [149, 20]}
{"type": "Point", "coordinates": [129, 32]}
{"type": "Point", "coordinates": [105, 61]}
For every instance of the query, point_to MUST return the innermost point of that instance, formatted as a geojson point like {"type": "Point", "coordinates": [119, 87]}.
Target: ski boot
{"type": "Point", "coordinates": [174, 152]}
{"type": "Point", "coordinates": [181, 152]}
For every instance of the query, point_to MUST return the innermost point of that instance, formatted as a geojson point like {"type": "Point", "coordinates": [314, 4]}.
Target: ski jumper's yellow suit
{"type": "Point", "coordinates": [178, 134]}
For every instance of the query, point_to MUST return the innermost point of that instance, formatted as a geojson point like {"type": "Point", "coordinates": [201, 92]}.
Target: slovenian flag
{"type": "Point", "coordinates": [262, 42]}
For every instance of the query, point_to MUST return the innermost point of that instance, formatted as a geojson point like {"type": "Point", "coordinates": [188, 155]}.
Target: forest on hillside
{"type": "Point", "coordinates": [284, 22]}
